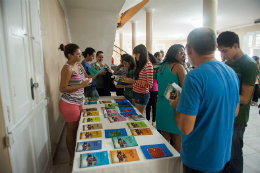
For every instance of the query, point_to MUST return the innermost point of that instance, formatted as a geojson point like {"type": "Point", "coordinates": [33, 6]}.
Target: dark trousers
{"type": "Point", "coordinates": [236, 161]}
{"type": "Point", "coordinates": [256, 93]}
{"type": "Point", "coordinates": [120, 91]}
{"type": "Point", "coordinates": [226, 169]}
{"type": "Point", "coordinates": [152, 102]}
{"type": "Point", "coordinates": [103, 92]}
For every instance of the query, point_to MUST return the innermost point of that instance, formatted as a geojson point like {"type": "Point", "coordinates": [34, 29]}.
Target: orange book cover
{"type": "Point", "coordinates": [118, 156]}
{"type": "Point", "coordinates": [143, 131]}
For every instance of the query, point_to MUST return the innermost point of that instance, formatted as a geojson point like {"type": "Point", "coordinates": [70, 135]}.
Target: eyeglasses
{"type": "Point", "coordinates": [182, 53]}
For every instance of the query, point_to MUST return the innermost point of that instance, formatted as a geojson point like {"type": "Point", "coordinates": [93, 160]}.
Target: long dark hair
{"type": "Point", "coordinates": [152, 58]}
{"type": "Point", "coordinates": [129, 58]}
{"type": "Point", "coordinates": [142, 59]}
{"type": "Point", "coordinates": [171, 53]}
{"type": "Point", "coordinates": [68, 49]}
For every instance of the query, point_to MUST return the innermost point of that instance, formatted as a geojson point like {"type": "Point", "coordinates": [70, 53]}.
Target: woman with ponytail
{"type": "Point", "coordinates": [72, 89]}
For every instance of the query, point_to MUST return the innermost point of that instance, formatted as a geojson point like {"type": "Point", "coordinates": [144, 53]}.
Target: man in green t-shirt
{"type": "Point", "coordinates": [246, 69]}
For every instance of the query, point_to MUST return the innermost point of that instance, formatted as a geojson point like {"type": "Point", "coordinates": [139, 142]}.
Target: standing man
{"type": "Point", "coordinates": [158, 57]}
{"type": "Point", "coordinates": [246, 69]}
{"type": "Point", "coordinates": [206, 109]}
{"type": "Point", "coordinates": [162, 52]}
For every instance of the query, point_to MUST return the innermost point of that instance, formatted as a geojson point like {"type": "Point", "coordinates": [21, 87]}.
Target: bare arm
{"type": "Point", "coordinates": [180, 73]}
{"type": "Point", "coordinates": [184, 122]}
{"type": "Point", "coordinates": [246, 93]}
{"type": "Point", "coordinates": [237, 110]}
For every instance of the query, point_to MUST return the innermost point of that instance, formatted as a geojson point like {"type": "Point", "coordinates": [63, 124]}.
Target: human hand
{"type": "Point", "coordinates": [174, 102]}
{"type": "Point", "coordinates": [129, 80]}
{"type": "Point", "coordinates": [102, 73]}
{"type": "Point", "coordinates": [119, 86]}
{"type": "Point", "coordinates": [86, 83]}
{"type": "Point", "coordinates": [109, 70]}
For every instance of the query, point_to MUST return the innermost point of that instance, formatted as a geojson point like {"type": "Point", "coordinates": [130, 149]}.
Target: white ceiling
{"type": "Point", "coordinates": [172, 18]}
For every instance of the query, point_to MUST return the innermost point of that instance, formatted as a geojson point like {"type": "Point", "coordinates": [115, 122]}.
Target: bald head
{"type": "Point", "coordinates": [202, 40]}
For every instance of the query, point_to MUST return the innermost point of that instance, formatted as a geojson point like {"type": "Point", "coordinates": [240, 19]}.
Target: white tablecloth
{"type": "Point", "coordinates": [161, 165]}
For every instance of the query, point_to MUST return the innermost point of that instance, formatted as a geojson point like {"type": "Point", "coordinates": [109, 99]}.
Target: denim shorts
{"type": "Point", "coordinates": [141, 99]}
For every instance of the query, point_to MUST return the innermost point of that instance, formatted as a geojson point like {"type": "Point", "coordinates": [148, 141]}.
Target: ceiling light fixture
{"type": "Point", "coordinates": [197, 23]}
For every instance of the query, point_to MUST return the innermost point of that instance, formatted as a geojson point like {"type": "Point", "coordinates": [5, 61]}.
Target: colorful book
{"type": "Point", "coordinates": [137, 117]}
{"type": "Point", "coordinates": [91, 134]}
{"type": "Point", "coordinates": [92, 97]}
{"type": "Point", "coordinates": [88, 120]}
{"type": "Point", "coordinates": [121, 101]}
{"type": "Point", "coordinates": [89, 145]}
{"type": "Point", "coordinates": [144, 131]}
{"type": "Point", "coordinates": [127, 109]}
{"type": "Point", "coordinates": [124, 141]}
{"type": "Point", "coordinates": [171, 91]}
{"type": "Point", "coordinates": [107, 105]}
{"type": "Point", "coordinates": [127, 155]}
{"type": "Point", "coordinates": [122, 130]}
{"type": "Point", "coordinates": [115, 133]}
{"type": "Point", "coordinates": [155, 151]}
{"type": "Point", "coordinates": [91, 100]}
{"type": "Point", "coordinates": [91, 113]}
{"type": "Point", "coordinates": [116, 118]}
{"type": "Point", "coordinates": [103, 102]}
{"type": "Point", "coordinates": [155, 70]}
{"type": "Point", "coordinates": [95, 69]}
{"type": "Point", "coordinates": [89, 109]}
{"type": "Point", "coordinates": [110, 115]}
{"type": "Point", "coordinates": [128, 114]}
{"type": "Point", "coordinates": [92, 126]}
{"type": "Point", "coordinates": [132, 125]}
{"type": "Point", "coordinates": [110, 111]}
{"type": "Point", "coordinates": [90, 103]}
{"type": "Point", "coordinates": [93, 159]}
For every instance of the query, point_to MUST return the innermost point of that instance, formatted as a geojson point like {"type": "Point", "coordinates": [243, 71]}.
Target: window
{"type": "Point", "coordinates": [251, 43]}
{"type": "Point", "coordinates": [159, 47]}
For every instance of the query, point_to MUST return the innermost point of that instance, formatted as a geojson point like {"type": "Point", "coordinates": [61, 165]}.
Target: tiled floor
{"type": "Point", "coordinates": [251, 148]}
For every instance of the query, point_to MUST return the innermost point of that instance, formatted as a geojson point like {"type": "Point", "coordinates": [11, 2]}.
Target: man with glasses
{"type": "Point", "coordinates": [206, 108]}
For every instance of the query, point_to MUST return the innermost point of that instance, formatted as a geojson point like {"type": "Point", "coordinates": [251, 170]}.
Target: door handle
{"type": "Point", "coordinates": [33, 85]}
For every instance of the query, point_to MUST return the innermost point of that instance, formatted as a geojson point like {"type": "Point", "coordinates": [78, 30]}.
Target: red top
{"type": "Point", "coordinates": [145, 80]}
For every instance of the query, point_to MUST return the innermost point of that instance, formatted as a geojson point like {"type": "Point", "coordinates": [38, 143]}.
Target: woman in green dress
{"type": "Point", "coordinates": [170, 71]}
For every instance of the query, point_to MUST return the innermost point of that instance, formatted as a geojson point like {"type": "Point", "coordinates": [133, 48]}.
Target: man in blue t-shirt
{"type": "Point", "coordinates": [206, 108]}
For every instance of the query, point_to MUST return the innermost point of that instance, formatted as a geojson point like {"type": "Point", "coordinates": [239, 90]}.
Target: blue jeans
{"type": "Point", "coordinates": [236, 161]}
{"type": "Point", "coordinates": [91, 92]}
{"type": "Point", "coordinates": [141, 99]}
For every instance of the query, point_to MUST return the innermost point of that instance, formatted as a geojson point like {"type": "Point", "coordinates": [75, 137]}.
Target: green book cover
{"type": "Point", "coordinates": [124, 141]}
{"type": "Point", "coordinates": [88, 120]}
{"type": "Point", "coordinates": [95, 69]}
{"type": "Point", "coordinates": [132, 125]}
{"type": "Point", "coordinates": [115, 133]}
{"type": "Point", "coordinates": [108, 105]}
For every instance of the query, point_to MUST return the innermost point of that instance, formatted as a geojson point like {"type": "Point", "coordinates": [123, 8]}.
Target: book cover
{"type": "Point", "coordinates": [124, 141]}
{"type": "Point", "coordinates": [110, 115]}
{"type": "Point", "coordinates": [90, 103]}
{"type": "Point", "coordinates": [111, 105]}
{"type": "Point", "coordinates": [91, 100]}
{"type": "Point", "coordinates": [128, 114]}
{"type": "Point", "coordinates": [110, 111]}
{"type": "Point", "coordinates": [116, 118]}
{"type": "Point", "coordinates": [88, 120]}
{"type": "Point", "coordinates": [144, 131]}
{"type": "Point", "coordinates": [89, 109]}
{"type": "Point", "coordinates": [92, 126]}
{"type": "Point", "coordinates": [127, 109]}
{"type": "Point", "coordinates": [95, 69]}
{"type": "Point", "coordinates": [91, 113]}
{"type": "Point", "coordinates": [92, 97]}
{"type": "Point", "coordinates": [171, 91]}
{"type": "Point", "coordinates": [91, 134]}
{"type": "Point", "coordinates": [155, 70]}
{"type": "Point", "coordinates": [132, 125]}
{"type": "Point", "coordinates": [93, 159]}
{"type": "Point", "coordinates": [123, 131]}
{"type": "Point", "coordinates": [89, 145]}
{"type": "Point", "coordinates": [137, 117]}
{"type": "Point", "coordinates": [155, 151]}
{"type": "Point", "coordinates": [127, 155]}
{"type": "Point", "coordinates": [121, 101]}
{"type": "Point", "coordinates": [103, 102]}
{"type": "Point", "coordinates": [124, 104]}
{"type": "Point", "coordinates": [115, 133]}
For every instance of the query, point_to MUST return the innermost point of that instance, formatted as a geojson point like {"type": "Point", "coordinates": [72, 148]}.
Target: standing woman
{"type": "Point", "coordinates": [143, 78]}
{"type": "Point", "coordinates": [128, 62]}
{"type": "Point", "coordinates": [72, 89]}
{"type": "Point", "coordinates": [153, 95]}
{"type": "Point", "coordinates": [171, 71]}
{"type": "Point", "coordinates": [256, 91]}
{"type": "Point", "coordinates": [121, 70]}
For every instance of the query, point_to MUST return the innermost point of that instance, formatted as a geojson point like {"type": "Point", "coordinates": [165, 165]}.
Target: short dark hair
{"type": "Point", "coordinates": [202, 40]}
{"type": "Point", "coordinates": [88, 50]}
{"type": "Point", "coordinates": [228, 39]}
{"type": "Point", "coordinates": [68, 49]}
{"type": "Point", "coordinates": [151, 58]}
{"type": "Point", "coordinates": [99, 53]}
{"type": "Point", "coordinates": [156, 54]}
{"type": "Point", "coordinates": [171, 53]}
{"type": "Point", "coordinates": [129, 58]}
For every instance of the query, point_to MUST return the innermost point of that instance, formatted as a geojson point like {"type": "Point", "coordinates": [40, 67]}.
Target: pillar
{"type": "Point", "coordinates": [134, 35]}
{"type": "Point", "coordinates": [210, 13]}
{"type": "Point", "coordinates": [121, 42]}
{"type": "Point", "coordinates": [149, 29]}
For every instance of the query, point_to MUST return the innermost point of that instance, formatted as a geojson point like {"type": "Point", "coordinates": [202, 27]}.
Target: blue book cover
{"type": "Point", "coordinates": [93, 159]}
{"type": "Point", "coordinates": [155, 151]}
{"type": "Point", "coordinates": [124, 141]}
{"type": "Point", "coordinates": [90, 103]}
{"type": "Point", "coordinates": [123, 131]}
{"type": "Point", "coordinates": [127, 109]}
{"type": "Point", "coordinates": [89, 145]}
{"type": "Point", "coordinates": [128, 114]}
{"type": "Point", "coordinates": [121, 101]}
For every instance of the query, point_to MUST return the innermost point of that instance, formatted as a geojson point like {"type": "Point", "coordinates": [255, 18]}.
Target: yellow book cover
{"type": "Point", "coordinates": [92, 126]}
{"type": "Point", "coordinates": [144, 131]}
{"type": "Point", "coordinates": [88, 120]}
{"type": "Point", "coordinates": [92, 134]}
{"type": "Point", "coordinates": [128, 155]}
{"type": "Point", "coordinates": [91, 113]}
